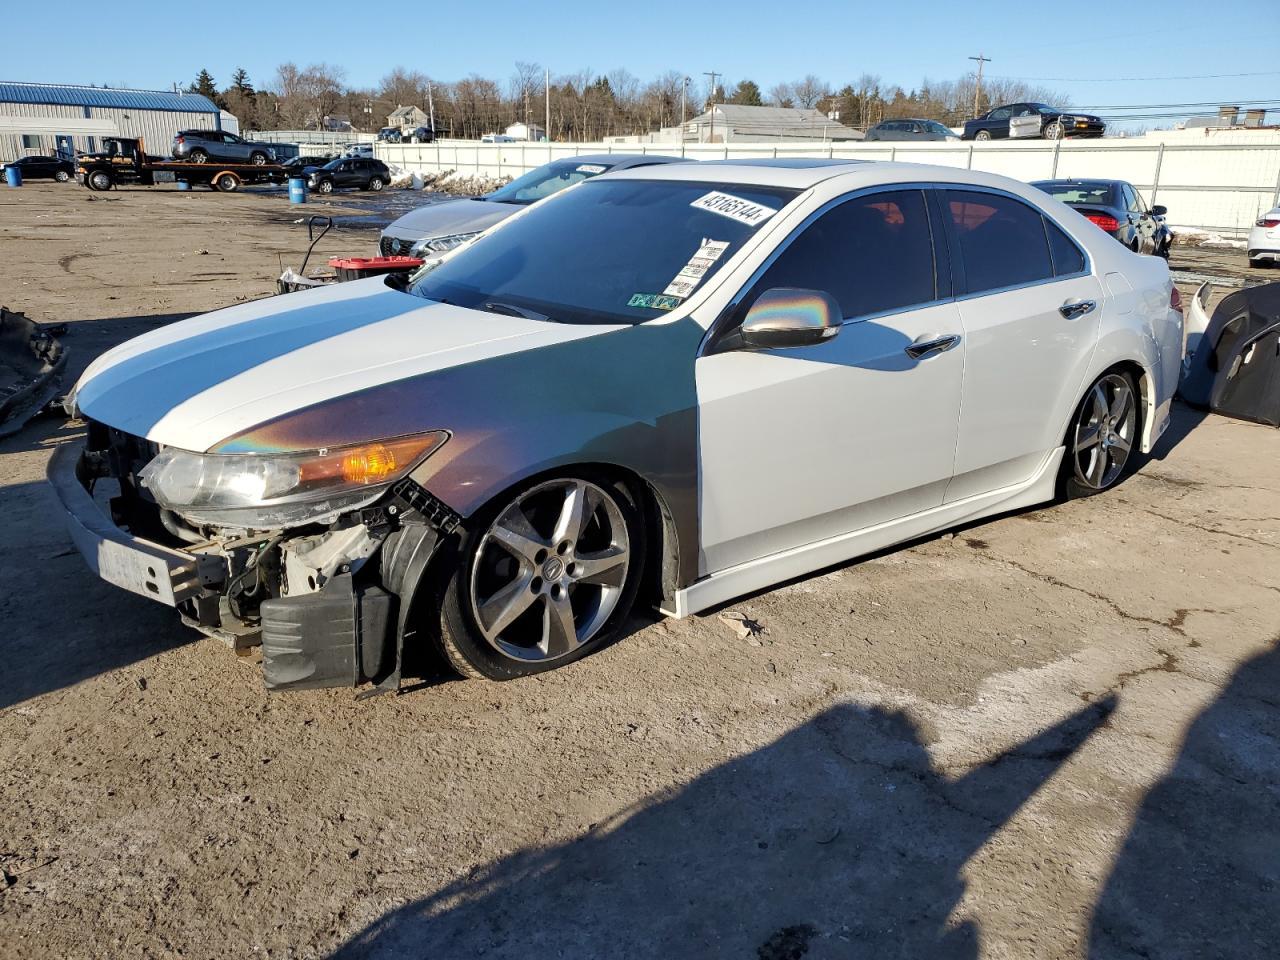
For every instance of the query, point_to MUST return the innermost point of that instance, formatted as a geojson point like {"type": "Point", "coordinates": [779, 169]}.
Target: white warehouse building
{"type": "Point", "coordinates": [58, 119]}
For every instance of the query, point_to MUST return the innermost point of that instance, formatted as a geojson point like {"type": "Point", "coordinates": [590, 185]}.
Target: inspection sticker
{"type": "Point", "coordinates": [735, 208]}
{"type": "Point", "coordinates": [680, 287]}
{"type": "Point", "coordinates": [653, 301]}
{"type": "Point", "coordinates": [591, 168]}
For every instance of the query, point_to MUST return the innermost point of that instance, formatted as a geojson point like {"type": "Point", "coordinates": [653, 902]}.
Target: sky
{"type": "Point", "coordinates": [1098, 52]}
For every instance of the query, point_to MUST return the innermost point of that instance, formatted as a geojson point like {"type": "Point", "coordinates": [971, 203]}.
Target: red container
{"type": "Point", "coordinates": [356, 268]}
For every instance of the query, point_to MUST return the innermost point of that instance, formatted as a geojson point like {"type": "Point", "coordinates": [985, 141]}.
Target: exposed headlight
{"type": "Point", "coordinates": [261, 491]}
{"type": "Point", "coordinates": [441, 244]}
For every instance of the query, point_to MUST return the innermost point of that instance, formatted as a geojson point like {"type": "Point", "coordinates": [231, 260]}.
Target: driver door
{"type": "Point", "coordinates": [798, 445]}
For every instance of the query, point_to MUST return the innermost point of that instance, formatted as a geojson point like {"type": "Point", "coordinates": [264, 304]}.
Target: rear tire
{"type": "Point", "coordinates": [199, 156]}
{"type": "Point", "coordinates": [62, 176]}
{"type": "Point", "coordinates": [375, 184]}
{"type": "Point", "coordinates": [982, 135]}
{"type": "Point", "coordinates": [1103, 439]}
{"type": "Point", "coordinates": [258, 159]}
{"type": "Point", "coordinates": [227, 182]}
{"type": "Point", "coordinates": [553, 569]}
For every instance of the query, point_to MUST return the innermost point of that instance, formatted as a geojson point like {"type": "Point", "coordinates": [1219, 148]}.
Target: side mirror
{"type": "Point", "coordinates": [1159, 210]}
{"type": "Point", "coordinates": [790, 317]}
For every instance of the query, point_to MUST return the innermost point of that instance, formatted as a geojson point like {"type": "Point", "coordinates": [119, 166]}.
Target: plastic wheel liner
{"type": "Point", "coordinates": [31, 365]}
{"type": "Point", "coordinates": [1235, 369]}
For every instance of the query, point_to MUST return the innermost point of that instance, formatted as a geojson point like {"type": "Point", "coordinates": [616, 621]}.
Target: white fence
{"type": "Point", "coordinates": [1214, 187]}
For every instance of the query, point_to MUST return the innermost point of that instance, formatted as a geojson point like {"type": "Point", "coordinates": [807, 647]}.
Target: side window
{"type": "Point", "coordinates": [1131, 199]}
{"type": "Point", "coordinates": [1002, 240]}
{"type": "Point", "coordinates": [873, 253]}
{"type": "Point", "coordinates": [1002, 114]}
{"type": "Point", "coordinates": [1067, 257]}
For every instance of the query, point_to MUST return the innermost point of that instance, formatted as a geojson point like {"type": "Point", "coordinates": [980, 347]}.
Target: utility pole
{"type": "Point", "coordinates": [547, 89]}
{"type": "Point", "coordinates": [684, 90]}
{"type": "Point", "coordinates": [977, 87]}
{"type": "Point", "coordinates": [711, 104]}
{"type": "Point", "coordinates": [431, 107]}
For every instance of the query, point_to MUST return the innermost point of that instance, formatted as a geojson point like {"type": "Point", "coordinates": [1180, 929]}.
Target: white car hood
{"type": "Point", "coordinates": [449, 217]}
{"type": "Point", "coordinates": [196, 382]}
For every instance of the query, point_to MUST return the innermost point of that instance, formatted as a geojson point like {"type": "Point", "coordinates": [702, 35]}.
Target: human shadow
{"type": "Point", "coordinates": [841, 838]}
{"type": "Point", "coordinates": [1199, 875]}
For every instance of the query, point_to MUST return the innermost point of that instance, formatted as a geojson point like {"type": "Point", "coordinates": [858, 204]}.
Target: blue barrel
{"type": "Point", "coordinates": [297, 190]}
{"type": "Point", "coordinates": [184, 184]}
{"type": "Point", "coordinates": [13, 175]}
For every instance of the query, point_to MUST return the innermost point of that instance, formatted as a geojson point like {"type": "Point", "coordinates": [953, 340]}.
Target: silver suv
{"type": "Point", "coordinates": [201, 146]}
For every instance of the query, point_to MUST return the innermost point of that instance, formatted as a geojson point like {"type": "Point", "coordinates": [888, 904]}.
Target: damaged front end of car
{"type": "Point", "coordinates": [311, 556]}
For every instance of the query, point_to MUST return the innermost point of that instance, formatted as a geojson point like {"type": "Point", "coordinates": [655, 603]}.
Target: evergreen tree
{"type": "Point", "coordinates": [205, 86]}
{"type": "Point", "coordinates": [747, 94]}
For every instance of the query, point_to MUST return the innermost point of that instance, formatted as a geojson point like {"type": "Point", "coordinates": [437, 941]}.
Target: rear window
{"type": "Point", "coordinates": [1083, 194]}
{"type": "Point", "coordinates": [1002, 240]}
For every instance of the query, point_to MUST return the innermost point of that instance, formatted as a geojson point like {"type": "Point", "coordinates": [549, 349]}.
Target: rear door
{"type": "Point", "coordinates": [804, 444]}
{"type": "Point", "coordinates": [1031, 310]}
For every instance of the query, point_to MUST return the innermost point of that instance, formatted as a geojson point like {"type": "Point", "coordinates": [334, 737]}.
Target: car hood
{"type": "Point", "coordinates": [451, 216]}
{"type": "Point", "coordinates": [194, 383]}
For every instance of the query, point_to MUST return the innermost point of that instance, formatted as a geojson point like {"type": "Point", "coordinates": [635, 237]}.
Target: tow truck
{"type": "Point", "coordinates": [125, 161]}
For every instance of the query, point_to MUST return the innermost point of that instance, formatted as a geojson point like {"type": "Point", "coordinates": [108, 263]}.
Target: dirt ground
{"type": "Point", "coordinates": [1055, 735]}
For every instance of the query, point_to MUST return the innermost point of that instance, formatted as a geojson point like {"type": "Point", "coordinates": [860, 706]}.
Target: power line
{"type": "Point", "coordinates": [1222, 101]}
{"type": "Point", "coordinates": [1198, 76]}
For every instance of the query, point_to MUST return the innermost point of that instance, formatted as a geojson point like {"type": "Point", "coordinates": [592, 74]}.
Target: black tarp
{"type": "Point", "coordinates": [1235, 369]}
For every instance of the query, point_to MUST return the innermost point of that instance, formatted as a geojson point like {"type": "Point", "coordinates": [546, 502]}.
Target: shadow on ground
{"type": "Point", "coordinates": [1199, 875]}
{"type": "Point", "coordinates": [839, 839]}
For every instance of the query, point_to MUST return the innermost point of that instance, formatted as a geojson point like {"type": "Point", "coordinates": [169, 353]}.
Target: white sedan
{"type": "Point", "coordinates": [681, 383]}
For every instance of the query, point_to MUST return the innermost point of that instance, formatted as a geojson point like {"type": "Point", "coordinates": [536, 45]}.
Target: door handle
{"type": "Point", "coordinates": [1077, 308]}
{"type": "Point", "coordinates": [922, 348]}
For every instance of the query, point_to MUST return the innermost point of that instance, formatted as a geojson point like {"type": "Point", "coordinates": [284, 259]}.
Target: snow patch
{"type": "Point", "coordinates": [1193, 237]}
{"type": "Point", "coordinates": [446, 181]}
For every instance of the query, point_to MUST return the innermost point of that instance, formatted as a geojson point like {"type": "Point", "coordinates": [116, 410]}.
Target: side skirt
{"type": "Point", "coordinates": [780, 567]}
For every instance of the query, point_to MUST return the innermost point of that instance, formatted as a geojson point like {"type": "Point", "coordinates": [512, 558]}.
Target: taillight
{"type": "Point", "coordinates": [1264, 222]}
{"type": "Point", "coordinates": [1175, 300]}
{"type": "Point", "coordinates": [1106, 222]}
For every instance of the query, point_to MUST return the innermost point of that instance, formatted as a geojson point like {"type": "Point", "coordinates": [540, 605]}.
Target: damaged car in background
{"type": "Point", "coordinates": [676, 384]}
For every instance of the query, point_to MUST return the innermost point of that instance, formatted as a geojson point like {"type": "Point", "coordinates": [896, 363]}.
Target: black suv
{"type": "Point", "coordinates": [350, 172]}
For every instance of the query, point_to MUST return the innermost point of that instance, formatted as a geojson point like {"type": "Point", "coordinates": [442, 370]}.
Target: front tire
{"type": "Point", "coordinates": [1053, 131]}
{"type": "Point", "coordinates": [1103, 438]}
{"type": "Point", "coordinates": [258, 159]}
{"type": "Point", "coordinates": [324, 186]}
{"type": "Point", "coordinates": [545, 577]}
{"type": "Point", "coordinates": [100, 180]}
{"type": "Point", "coordinates": [227, 182]}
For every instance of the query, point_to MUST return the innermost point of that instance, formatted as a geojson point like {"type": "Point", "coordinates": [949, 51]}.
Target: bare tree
{"type": "Point", "coordinates": [809, 91]}
{"type": "Point", "coordinates": [782, 95]}
{"type": "Point", "coordinates": [526, 83]}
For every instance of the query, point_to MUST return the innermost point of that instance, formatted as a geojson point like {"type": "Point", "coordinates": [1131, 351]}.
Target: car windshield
{"type": "Point", "coordinates": [933, 126]}
{"type": "Point", "coordinates": [1045, 108]}
{"type": "Point", "coordinates": [1088, 194]}
{"type": "Point", "coordinates": [546, 180]}
{"type": "Point", "coordinates": [333, 164]}
{"type": "Point", "coordinates": [610, 251]}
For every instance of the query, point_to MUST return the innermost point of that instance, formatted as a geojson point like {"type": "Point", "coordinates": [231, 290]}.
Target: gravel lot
{"type": "Point", "coordinates": [1054, 735]}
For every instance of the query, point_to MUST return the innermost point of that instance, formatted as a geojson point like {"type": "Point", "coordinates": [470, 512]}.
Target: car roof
{"type": "Point", "coordinates": [803, 173]}
{"type": "Point", "coordinates": [1067, 181]}
{"type": "Point", "coordinates": [620, 161]}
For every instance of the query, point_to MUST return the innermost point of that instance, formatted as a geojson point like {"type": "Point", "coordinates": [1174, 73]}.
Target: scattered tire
{"type": "Point", "coordinates": [982, 135]}
{"type": "Point", "coordinates": [62, 176]}
{"type": "Point", "coordinates": [199, 156]}
{"type": "Point", "coordinates": [375, 184]}
{"type": "Point", "coordinates": [227, 182]}
{"type": "Point", "coordinates": [1103, 436]}
{"type": "Point", "coordinates": [544, 577]}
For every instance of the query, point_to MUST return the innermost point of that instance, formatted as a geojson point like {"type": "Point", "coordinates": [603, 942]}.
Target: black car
{"type": "Point", "coordinates": [390, 135]}
{"type": "Point", "coordinates": [420, 135]}
{"type": "Point", "coordinates": [44, 168]}
{"type": "Point", "coordinates": [1118, 208]}
{"type": "Point", "coordinates": [909, 129]}
{"type": "Point", "coordinates": [350, 172]}
{"type": "Point", "coordinates": [294, 164]}
{"type": "Point", "coordinates": [1032, 120]}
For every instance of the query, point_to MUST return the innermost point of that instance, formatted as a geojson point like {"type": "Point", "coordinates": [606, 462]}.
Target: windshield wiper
{"type": "Point", "coordinates": [511, 310]}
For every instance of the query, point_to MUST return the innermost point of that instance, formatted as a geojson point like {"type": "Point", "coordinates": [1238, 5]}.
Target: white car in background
{"type": "Point", "coordinates": [681, 383]}
{"type": "Point", "coordinates": [1264, 239]}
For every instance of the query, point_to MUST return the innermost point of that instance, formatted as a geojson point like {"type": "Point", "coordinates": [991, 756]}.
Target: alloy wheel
{"type": "Point", "coordinates": [550, 570]}
{"type": "Point", "coordinates": [1104, 433]}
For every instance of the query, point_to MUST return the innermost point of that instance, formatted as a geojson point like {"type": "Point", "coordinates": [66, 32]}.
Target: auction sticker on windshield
{"type": "Point", "coordinates": [735, 208]}
{"type": "Point", "coordinates": [591, 168]}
